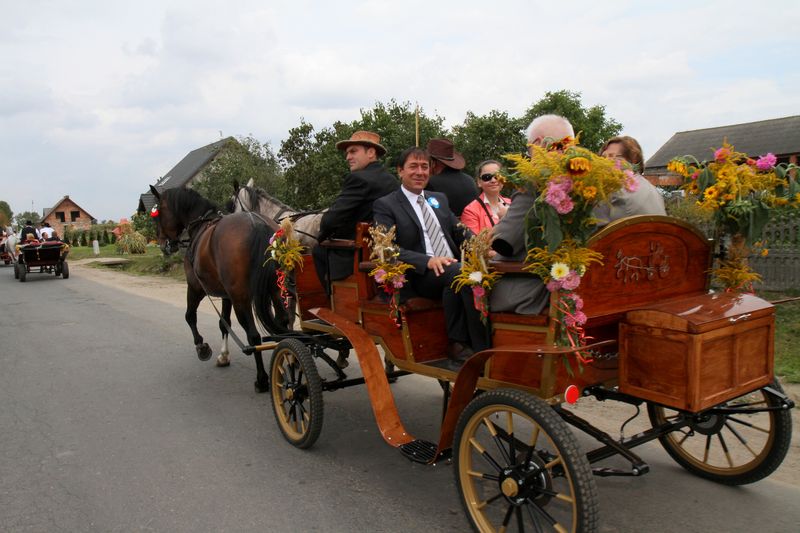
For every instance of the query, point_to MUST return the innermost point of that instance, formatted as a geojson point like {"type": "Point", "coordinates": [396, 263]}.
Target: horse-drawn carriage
{"type": "Point", "coordinates": [49, 257]}
{"type": "Point", "coordinates": [701, 363]}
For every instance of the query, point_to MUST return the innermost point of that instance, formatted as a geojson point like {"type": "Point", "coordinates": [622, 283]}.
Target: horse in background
{"type": "Point", "coordinates": [10, 244]}
{"type": "Point", "coordinates": [225, 258]}
{"type": "Point", "coordinates": [257, 200]}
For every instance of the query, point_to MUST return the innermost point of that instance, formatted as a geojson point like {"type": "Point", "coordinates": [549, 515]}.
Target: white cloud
{"type": "Point", "coordinates": [97, 99]}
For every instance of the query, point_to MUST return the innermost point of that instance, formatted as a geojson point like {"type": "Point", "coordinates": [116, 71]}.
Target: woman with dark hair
{"type": "Point", "coordinates": [627, 148]}
{"type": "Point", "coordinates": [487, 210]}
{"type": "Point", "coordinates": [639, 196]}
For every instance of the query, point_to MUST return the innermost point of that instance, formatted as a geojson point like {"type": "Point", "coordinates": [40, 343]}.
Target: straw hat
{"type": "Point", "coordinates": [365, 138]}
{"type": "Point", "coordinates": [442, 150]}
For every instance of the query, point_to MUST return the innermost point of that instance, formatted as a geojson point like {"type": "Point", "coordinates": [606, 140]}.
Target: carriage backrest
{"type": "Point", "coordinates": [645, 259]}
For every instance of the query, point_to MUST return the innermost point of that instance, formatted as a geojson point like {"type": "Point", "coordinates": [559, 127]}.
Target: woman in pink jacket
{"type": "Point", "coordinates": [487, 210]}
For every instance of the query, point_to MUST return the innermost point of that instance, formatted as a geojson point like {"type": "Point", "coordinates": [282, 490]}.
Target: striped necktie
{"type": "Point", "coordinates": [434, 231]}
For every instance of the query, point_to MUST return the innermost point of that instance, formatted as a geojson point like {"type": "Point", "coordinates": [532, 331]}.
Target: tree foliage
{"type": "Point", "coordinates": [314, 168]}
{"type": "Point", "coordinates": [240, 159]}
{"type": "Point", "coordinates": [594, 127]}
{"type": "Point", "coordinates": [6, 214]}
{"type": "Point", "coordinates": [142, 223]}
{"type": "Point", "coordinates": [488, 136]}
{"type": "Point", "coordinates": [33, 216]}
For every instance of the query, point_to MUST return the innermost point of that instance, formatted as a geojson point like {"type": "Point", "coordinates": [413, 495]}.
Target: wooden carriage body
{"type": "Point", "coordinates": [648, 260]}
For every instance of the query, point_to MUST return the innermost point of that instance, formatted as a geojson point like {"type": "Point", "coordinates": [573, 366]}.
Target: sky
{"type": "Point", "coordinates": [98, 99]}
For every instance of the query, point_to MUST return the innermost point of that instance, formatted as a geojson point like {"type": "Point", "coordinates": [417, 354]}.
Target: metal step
{"type": "Point", "coordinates": [419, 451]}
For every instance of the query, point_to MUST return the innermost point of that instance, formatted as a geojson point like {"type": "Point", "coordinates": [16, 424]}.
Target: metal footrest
{"type": "Point", "coordinates": [419, 451]}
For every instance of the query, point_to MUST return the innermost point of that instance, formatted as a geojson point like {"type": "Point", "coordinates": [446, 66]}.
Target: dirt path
{"type": "Point", "coordinates": [607, 415]}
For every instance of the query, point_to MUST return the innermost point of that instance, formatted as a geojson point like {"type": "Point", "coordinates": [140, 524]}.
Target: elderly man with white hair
{"type": "Point", "coordinates": [523, 293]}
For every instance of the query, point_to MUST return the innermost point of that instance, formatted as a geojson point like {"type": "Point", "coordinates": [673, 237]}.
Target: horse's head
{"type": "Point", "coordinates": [168, 225]}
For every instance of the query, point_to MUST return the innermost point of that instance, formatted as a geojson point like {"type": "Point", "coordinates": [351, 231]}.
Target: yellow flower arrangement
{"type": "Point", "coordinates": [570, 181]}
{"type": "Point", "coordinates": [389, 271]}
{"type": "Point", "coordinates": [476, 272]}
{"type": "Point", "coordinates": [742, 193]}
{"type": "Point", "coordinates": [285, 250]}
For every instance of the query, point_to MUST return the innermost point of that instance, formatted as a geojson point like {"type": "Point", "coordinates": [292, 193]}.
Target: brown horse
{"type": "Point", "coordinates": [226, 258]}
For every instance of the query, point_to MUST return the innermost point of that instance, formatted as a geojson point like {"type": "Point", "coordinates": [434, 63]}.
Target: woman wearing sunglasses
{"type": "Point", "coordinates": [486, 210]}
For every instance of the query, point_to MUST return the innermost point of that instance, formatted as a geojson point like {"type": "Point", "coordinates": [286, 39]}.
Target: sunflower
{"type": "Point", "coordinates": [578, 166]}
{"type": "Point", "coordinates": [589, 192]}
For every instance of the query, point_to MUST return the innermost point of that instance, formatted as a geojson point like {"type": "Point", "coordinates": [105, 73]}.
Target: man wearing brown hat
{"type": "Point", "coordinates": [367, 181]}
{"type": "Point", "coordinates": [446, 175]}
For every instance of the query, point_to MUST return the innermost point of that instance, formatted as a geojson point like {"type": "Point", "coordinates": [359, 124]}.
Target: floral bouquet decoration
{"type": "Point", "coordinates": [389, 271]}
{"type": "Point", "coordinates": [476, 272]}
{"type": "Point", "coordinates": [569, 182]}
{"type": "Point", "coordinates": [742, 193]}
{"type": "Point", "coordinates": [285, 249]}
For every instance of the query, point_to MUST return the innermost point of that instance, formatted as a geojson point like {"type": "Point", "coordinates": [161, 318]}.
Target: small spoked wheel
{"type": "Point", "coordinates": [64, 270]}
{"type": "Point", "coordinates": [734, 447]}
{"type": "Point", "coordinates": [519, 468]}
{"type": "Point", "coordinates": [296, 393]}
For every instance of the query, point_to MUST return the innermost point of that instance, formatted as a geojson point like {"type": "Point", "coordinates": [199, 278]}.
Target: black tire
{"type": "Point", "coordinates": [23, 273]}
{"type": "Point", "coordinates": [296, 392]}
{"type": "Point", "coordinates": [16, 270]}
{"type": "Point", "coordinates": [732, 449]}
{"type": "Point", "coordinates": [65, 270]}
{"type": "Point", "coordinates": [519, 468]}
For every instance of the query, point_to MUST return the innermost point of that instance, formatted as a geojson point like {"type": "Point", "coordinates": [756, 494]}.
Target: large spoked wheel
{"type": "Point", "coordinates": [734, 448]}
{"type": "Point", "coordinates": [296, 393]}
{"type": "Point", "coordinates": [519, 468]}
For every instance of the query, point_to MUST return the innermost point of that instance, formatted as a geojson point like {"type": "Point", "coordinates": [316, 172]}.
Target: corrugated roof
{"type": "Point", "coordinates": [781, 136]}
{"type": "Point", "coordinates": [182, 173]}
{"type": "Point", "coordinates": [190, 165]}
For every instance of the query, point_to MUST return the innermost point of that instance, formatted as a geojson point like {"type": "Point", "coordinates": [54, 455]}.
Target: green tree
{"type": "Point", "coordinates": [6, 214]}
{"type": "Point", "coordinates": [33, 216]}
{"type": "Point", "coordinates": [488, 137]}
{"type": "Point", "coordinates": [594, 127]}
{"type": "Point", "coordinates": [143, 223]}
{"type": "Point", "coordinates": [241, 160]}
{"type": "Point", "coordinates": [314, 168]}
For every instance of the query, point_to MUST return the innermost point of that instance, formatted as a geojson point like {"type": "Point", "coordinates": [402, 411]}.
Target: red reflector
{"type": "Point", "coordinates": [572, 394]}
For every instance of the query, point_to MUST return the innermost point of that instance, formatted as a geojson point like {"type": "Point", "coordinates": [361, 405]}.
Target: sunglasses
{"type": "Point", "coordinates": [488, 177]}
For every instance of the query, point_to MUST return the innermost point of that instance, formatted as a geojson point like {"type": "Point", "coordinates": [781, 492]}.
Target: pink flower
{"type": "Point", "coordinates": [479, 292]}
{"type": "Point", "coordinates": [631, 183]}
{"type": "Point", "coordinates": [766, 162]}
{"type": "Point", "coordinates": [553, 285]}
{"type": "Point", "coordinates": [580, 318]}
{"type": "Point", "coordinates": [722, 154]}
{"type": "Point", "coordinates": [571, 281]}
{"type": "Point", "coordinates": [380, 275]}
{"type": "Point", "coordinates": [576, 299]}
{"type": "Point", "coordinates": [399, 281]}
{"type": "Point", "coordinates": [695, 174]}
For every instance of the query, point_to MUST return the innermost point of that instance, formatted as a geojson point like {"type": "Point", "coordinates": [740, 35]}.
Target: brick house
{"type": "Point", "coordinates": [781, 136]}
{"type": "Point", "coordinates": [67, 213]}
{"type": "Point", "coordinates": [188, 170]}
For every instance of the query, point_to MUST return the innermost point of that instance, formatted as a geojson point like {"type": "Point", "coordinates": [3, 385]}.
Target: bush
{"type": "Point", "coordinates": [132, 243]}
{"type": "Point", "coordinates": [686, 208]}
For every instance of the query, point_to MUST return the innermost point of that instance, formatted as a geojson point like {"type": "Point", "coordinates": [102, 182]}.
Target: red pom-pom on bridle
{"type": "Point", "coordinates": [154, 211]}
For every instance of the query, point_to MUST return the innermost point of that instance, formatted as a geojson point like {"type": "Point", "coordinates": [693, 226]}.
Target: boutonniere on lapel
{"type": "Point", "coordinates": [433, 202]}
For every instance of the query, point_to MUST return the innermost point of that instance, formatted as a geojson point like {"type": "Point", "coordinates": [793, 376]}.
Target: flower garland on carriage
{"type": "Point", "coordinates": [569, 182]}
{"type": "Point", "coordinates": [389, 271]}
{"type": "Point", "coordinates": [742, 194]}
{"type": "Point", "coordinates": [285, 250]}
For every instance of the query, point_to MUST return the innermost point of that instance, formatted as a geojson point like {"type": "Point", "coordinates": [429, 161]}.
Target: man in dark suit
{"type": "Point", "coordinates": [446, 175]}
{"type": "Point", "coordinates": [429, 237]}
{"type": "Point", "coordinates": [367, 181]}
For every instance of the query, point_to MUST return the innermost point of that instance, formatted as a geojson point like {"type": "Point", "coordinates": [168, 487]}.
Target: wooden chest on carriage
{"type": "Point", "coordinates": [695, 352]}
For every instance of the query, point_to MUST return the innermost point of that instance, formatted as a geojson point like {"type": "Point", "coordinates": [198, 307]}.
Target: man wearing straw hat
{"type": "Point", "coordinates": [367, 181]}
{"type": "Point", "coordinates": [446, 175]}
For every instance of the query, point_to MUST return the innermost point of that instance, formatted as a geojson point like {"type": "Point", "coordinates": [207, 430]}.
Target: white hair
{"type": "Point", "coordinates": [553, 126]}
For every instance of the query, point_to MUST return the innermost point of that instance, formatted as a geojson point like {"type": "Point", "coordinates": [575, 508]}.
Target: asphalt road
{"type": "Point", "coordinates": [108, 422]}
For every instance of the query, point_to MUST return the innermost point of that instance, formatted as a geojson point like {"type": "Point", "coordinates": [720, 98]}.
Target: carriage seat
{"type": "Point", "coordinates": [515, 267]}
{"type": "Point", "coordinates": [414, 303]}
